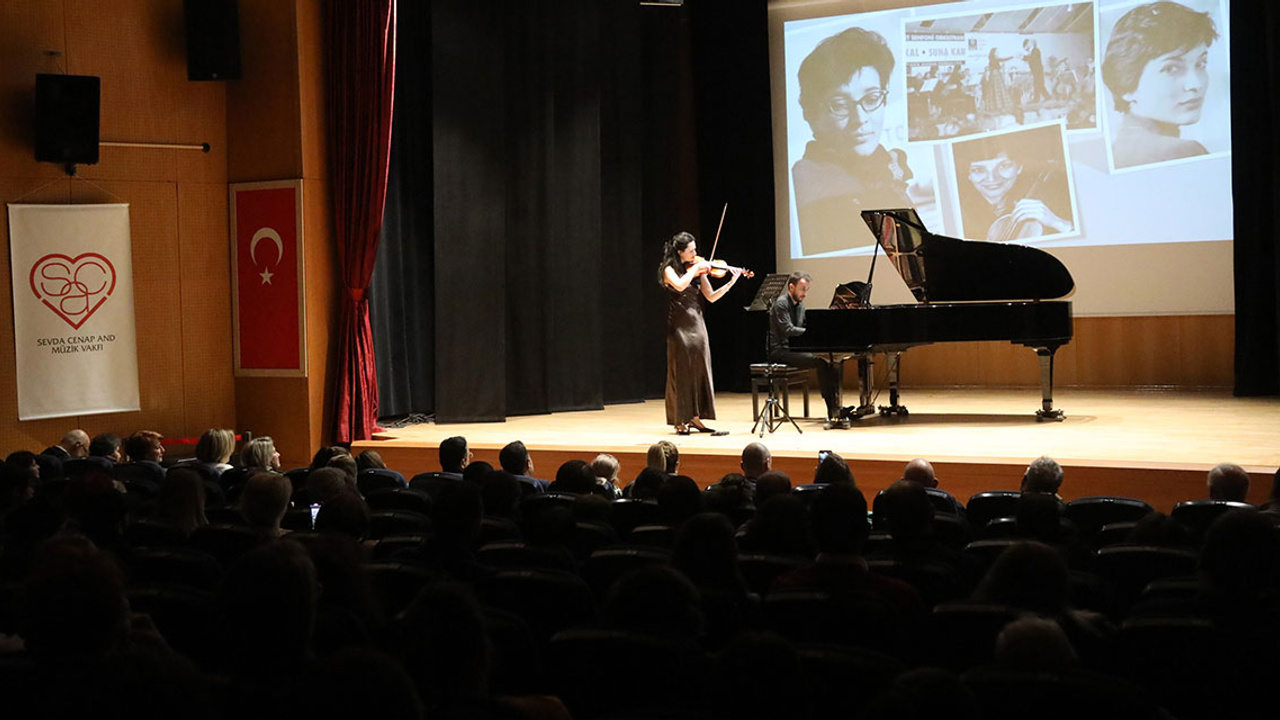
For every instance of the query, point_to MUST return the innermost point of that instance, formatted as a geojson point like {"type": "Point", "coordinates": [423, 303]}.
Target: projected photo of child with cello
{"type": "Point", "coordinates": [1016, 186]}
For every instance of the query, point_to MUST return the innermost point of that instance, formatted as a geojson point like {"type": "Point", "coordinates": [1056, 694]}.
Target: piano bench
{"type": "Point", "coordinates": [783, 378]}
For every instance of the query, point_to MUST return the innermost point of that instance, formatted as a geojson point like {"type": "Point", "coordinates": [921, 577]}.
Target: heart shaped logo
{"type": "Point", "coordinates": [73, 288]}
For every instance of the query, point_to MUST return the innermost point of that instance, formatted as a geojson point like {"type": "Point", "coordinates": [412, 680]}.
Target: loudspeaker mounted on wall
{"type": "Point", "coordinates": [213, 39]}
{"type": "Point", "coordinates": [67, 118]}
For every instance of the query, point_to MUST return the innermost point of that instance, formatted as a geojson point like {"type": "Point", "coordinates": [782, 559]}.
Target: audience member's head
{"type": "Point", "coordinates": [345, 513]}
{"type": "Point", "coordinates": [73, 603]}
{"type": "Point", "coordinates": [781, 527]}
{"type": "Point", "coordinates": [514, 458]}
{"type": "Point", "coordinates": [771, 484]}
{"type": "Point", "coordinates": [476, 471]}
{"type": "Point", "coordinates": [920, 472]}
{"type": "Point", "coordinates": [76, 443]}
{"type": "Point", "coordinates": [1161, 530]}
{"type": "Point", "coordinates": [346, 464]}
{"type": "Point", "coordinates": [1228, 481]}
{"type": "Point", "coordinates": [1240, 560]}
{"type": "Point", "coordinates": [265, 500]}
{"type": "Point", "coordinates": [706, 552]}
{"type": "Point", "coordinates": [655, 600]}
{"type": "Point", "coordinates": [501, 494]}
{"type": "Point", "coordinates": [181, 499]}
{"type": "Point", "coordinates": [1043, 475]}
{"type": "Point", "coordinates": [444, 644]}
{"type": "Point", "coordinates": [574, 476]}
{"type": "Point", "coordinates": [107, 445]}
{"type": "Point", "coordinates": [260, 454]}
{"type": "Point", "coordinates": [15, 489]}
{"type": "Point", "coordinates": [24, 461]}
{"type": "Point", "coordinates": [648, 484]}
{"type": "Point", "coordinates": [454, 454]}
{"type": "Point", "coordinates": [606, 467]}
{"type": "Point", "coordinates": [1039, 516]}
{"type": "Point", "coordinates": [927, 692]}
{"type": "Point", "coordinates": [144, 445]}
{"type": "Point", "coordinates": [325, 454]}
{"type": "Point", "coordinates": [269, 602]}
{"type": "Point", "coordinates": [1036, 644]}
{"type": "Point", "coordinates": [833, 469]}
{"type": "Point", "coordinates": [370, 460]}
{"type": "Point", "coordinates": [906, 511]}
{"type": "Point", "coordinates": [756, 460]}
{"type": "Point", "coordinates": [740, 689]}
{"type": "Point", "coordinates": [664, 455]}
{"type": "Point", "coordinates": [327, 483]}
{"type": "Point", "coordinates": [678, 500]}
{"type": "Point", "coordinates": [215, 446]}
{"type": "Point", "coordinates": [1028, 575]}
{"type": "Point", "coordinates": [839, 516]}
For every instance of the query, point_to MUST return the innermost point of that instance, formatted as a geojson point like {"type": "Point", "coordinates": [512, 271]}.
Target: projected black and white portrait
{"type": "Point", "coordinates": [1015, 186]}
{"type": "Point", "coordinates": [845, 97]}
{"type": "Point", "coordinates": [981, 73]}
{"type": "Point", "coordinates": [1157, 70]}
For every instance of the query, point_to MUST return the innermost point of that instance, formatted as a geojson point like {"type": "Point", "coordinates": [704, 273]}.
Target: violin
{"type": "Point", "coordinates": [720, 268]}
{"type": "Point", "coordinates": [1005, 229]}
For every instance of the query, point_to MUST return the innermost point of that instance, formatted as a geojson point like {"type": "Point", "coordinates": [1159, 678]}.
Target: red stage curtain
{"type": "Point", "coordinates": [361, 41]}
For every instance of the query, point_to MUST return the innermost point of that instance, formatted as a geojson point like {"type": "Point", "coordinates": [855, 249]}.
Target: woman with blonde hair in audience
{"type": "Point", "coordinates": [260, 454]}
{"type": "Point", "coordinates": [264, 502]}
{"type": "Point", "coordinates": [181, 500]}
{"type": "Point", "coordinates": [606, 468]}
{"type": "Point", "coordinates": [214, 449]}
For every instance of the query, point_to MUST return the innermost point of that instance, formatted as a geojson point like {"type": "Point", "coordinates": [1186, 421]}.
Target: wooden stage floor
{"type": "Point", "coordinates": [1153, 444]}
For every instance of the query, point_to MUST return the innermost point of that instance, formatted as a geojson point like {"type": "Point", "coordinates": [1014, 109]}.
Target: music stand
{"type": "Point", "coordinates": [770, 289]}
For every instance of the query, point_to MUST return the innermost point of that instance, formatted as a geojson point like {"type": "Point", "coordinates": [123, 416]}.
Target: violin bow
{"type": "Point", "coordinates": [718, 229]}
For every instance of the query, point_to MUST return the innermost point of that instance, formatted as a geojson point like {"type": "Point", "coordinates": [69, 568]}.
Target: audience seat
{"type": "Point", "coordinates": [1090, 514]}
{"type": "Point", "coordinates": [759, 570]}
{"type": "Point", "coordinates": [227, 515]}
{"type": "Point", "coordinates": [843, 681]}
{"type": "Point", "coordinates": [397, 522]}
{"type": "Point", "coordinates": [659, 536]}
{"type": "Point", "coordinates": [935, 582]}
{"type": "Point", "coordinates": [1176, 659]}
{"type": "Point", "coordinates": [297, 519]}
{"type": "Point", "coordinates": [1068, 694]}
{"type": "Point", "coordinates": [1200, 514]}
{"type": "Point", "coordinates": [226, 542]}
{"type": "Point", "coordinates": [174, 565]}
{"type": "Point", "coordinates": [984, 507]}
{"type": "Point", "coordinates": [599, 673]}
{"type": "Point", "coordinates": [587, 537]}
{"type": "Point", "coordinates": [1116, 533]}
{"type": "Point", "coordinates": [388, 547]}
{"type": "Point", "coordinates": [148, 532]}
{"type": "Point", "coordinates": [520, 555]}
{"type": "Point", "coordinates": [184, 616]}
{"type": "Point", "coordinates": [298, 477]}
{"type": "Point", "coordinates": [399, 499]}
{"type": "Point", "coordinates": [431, 482]}
{"type": "Point", "coordinates": [374, 479]}
{"type": "Point", "coordinates": [1129, 568]}
{"type": "Point", "coordinates": [548, 600]}
{"type": "Point", "coordinates": [498, 529]}
{"type": "Point", "coordinates": [396, 584]}
{"type": "Point", "coordinates": [625, 515]}
{"type": "Point", "coordinates": [606, 565]}
{"type": "Point", "coordinates": [864, 620]}
{"type": "Point", "coordinates": [962, 635]}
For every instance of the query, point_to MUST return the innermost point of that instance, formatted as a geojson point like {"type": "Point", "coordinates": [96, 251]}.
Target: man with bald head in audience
{"type": "Point", "coordinates": [756, 461]}
{"type": "Point", "coordinates": [75, 444]}
{"type": "Point", "coordinates": [1228, 481]}
{"type": "Point", "coordinates": [920, 472]}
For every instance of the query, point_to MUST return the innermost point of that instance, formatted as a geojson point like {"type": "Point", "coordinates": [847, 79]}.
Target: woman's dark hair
{"type": "Point", "coordinates": [671, 255]}
{"type": "Point", "coordinates": [836, 59]}
{"type": "Point", "coordinates": [1145, 33]}
{"type": "Point", "coordinates": [104, 445]}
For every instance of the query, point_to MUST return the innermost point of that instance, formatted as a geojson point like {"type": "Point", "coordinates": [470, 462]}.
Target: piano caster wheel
{"type": "Point", "coordinates": [840, 424]}
{"type": "Point", "coordinates": [1054, 414]}
{"type": "Point", "coordinates": [886, 410]}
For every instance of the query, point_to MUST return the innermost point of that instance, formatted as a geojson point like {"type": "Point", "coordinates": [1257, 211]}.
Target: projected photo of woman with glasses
{"type": "Point", "coordinates": [1156, 67]}
{"type": "Point", "coordinates": [844, 93]}
{"type": "Point", "coordinates": [1014, 187]}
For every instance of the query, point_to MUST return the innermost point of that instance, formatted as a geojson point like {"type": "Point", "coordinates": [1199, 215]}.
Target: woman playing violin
{"type": "Point", "coordinates": [1008, 195]}
{"type": "Point", "coordinates": [690, 393]}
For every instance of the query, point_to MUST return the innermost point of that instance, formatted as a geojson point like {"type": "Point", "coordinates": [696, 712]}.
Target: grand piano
{"type": "Point", "coordinates": [967, 290]}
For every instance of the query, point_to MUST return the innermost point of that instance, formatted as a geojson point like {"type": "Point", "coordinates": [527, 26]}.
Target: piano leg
{"type": "Point", "coordinates": [866, 388]}
{"type": "Point", "coordinates": [1047, 411]}
{"type": "Point", "coordinates": [894, 360]}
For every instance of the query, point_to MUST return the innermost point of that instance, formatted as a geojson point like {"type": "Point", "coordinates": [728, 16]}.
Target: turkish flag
{"type": "Point", "coordinates": [268, 282]}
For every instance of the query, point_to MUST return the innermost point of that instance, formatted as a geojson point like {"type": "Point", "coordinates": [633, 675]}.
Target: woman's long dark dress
{"type": "Point", "coordinates": [690, 393]}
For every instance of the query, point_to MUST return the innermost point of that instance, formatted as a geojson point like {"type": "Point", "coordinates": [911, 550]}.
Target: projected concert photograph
{"type": "Point", "coordinates": [982, 72]}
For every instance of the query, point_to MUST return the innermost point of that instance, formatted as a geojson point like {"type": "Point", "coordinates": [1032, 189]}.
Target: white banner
{"type": "Point", "coordinates": [73, 327]}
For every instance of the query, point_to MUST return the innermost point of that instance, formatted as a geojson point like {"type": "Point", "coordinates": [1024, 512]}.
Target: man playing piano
{"type": "Point", "coordinates": [786, 320]}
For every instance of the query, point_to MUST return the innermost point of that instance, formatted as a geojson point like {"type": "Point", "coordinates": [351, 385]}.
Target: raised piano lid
{"type": "Point", "coordinates": [938, 268]}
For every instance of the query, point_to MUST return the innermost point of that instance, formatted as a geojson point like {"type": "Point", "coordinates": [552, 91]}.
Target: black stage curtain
{"type": "Point", "coordinates": [1255, 89]}
{"type": "Point", "coordinates": [544, 150]}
